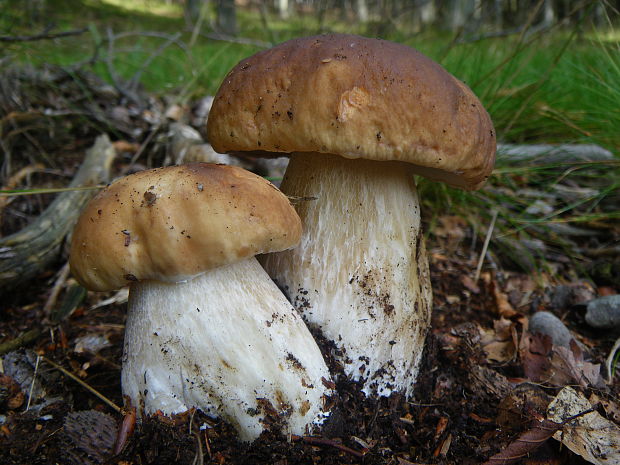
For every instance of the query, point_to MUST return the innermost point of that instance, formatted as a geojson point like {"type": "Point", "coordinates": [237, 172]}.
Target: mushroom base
{"type": "Point", "coordinates": [360, 272]}
{"type": "Point", "coordinates": [226, 342]}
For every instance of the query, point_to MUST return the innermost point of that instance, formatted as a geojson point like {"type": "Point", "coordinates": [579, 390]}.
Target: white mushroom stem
{"type": "Point", "coordinates": [360, 272]}
{"type": "Point", "coordinates": [227, 342]}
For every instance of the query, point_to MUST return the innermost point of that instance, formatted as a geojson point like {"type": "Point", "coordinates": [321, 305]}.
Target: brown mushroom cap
{"type": "Point", "coordinates": [173, 223]}
{"type": "Point", "coordinates": [358, 98]}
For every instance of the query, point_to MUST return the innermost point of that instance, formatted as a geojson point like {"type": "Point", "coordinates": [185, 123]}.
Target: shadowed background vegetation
{"type": "Point", "coordinates": [552, 80]}
{"type": "Point", "coordinates": [548, 71]}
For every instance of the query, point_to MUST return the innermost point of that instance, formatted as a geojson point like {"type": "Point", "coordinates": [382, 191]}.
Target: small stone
{"type": "Point", "coordinates": [561, 296]}
{"type": "Point", "coordinates": [604, 312]}
{"type": "Point", "coordinates": [549, 324]}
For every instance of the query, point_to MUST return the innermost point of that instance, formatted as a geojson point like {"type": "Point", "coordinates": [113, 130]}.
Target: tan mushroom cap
{"type": "Point", "coordinates": [358, 98]}
{"type": "Point", "coordinates": [171, 224]}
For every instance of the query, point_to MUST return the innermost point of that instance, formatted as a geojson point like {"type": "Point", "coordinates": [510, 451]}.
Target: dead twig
{"type": "Point", "coordinates": [199, 457]}
{"type": "Point", "coordinates": [135, 79]}
{"type": "Point", "coordinates": [34, 378]}
{"type": "Point", "coordinates": [111, 404]}
{"type": "Point", "coordinates": [206, 435]}
{"type": "Point", "coordinates": [16, 179]}
{"type": "Point", "coordinates": [60, 282]}
{"type": "Point", "coordinates": [45, 35]}
{"type": "Point", "coordinates": [314, 441]}
{"type": "Point", "coordinates": [52, 190]}
{"type": "Point", "coordinates": [116, 80]}
{"type": "Point", "coordinates": [25, 339]}
{"type": "Point", "coordinates": [44, 438]}
{"type": "Point", "coordinates": [159, 35]}
{"type": "Point", "coordinates": [25, 253]}
{"type": "Point", "coordinates": [142, 148]}
{"type": "Point", "coordinates": [487, 240]}
{"type": "Point", "coordinates": [236, 40]}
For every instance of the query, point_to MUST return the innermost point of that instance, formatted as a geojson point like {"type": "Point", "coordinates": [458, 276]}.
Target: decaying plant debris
{"type": "Point", "coordinates": [485, 380]}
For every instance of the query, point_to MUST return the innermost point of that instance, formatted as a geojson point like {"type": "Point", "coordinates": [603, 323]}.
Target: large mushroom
{"type": "Point", "coordinates": [359, 117]}
{"type": "Point", "coordinates": [206, 326]}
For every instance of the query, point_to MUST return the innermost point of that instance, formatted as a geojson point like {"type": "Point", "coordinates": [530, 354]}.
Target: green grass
{"type": "Point", "coordinates": [177, 66]}
{"type": "Point", "coordinates": [558, 86]}
{"type": "Point", "coordinates": [548, 87]}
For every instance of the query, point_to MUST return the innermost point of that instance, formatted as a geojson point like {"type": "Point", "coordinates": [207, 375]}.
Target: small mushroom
{"type": "Point", "coordinates": [206, 326]}
{"type": "Point", "coordinates": [359, 118]}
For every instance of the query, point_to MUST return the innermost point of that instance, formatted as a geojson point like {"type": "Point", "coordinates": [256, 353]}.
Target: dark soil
{"type": "Point", "coordinates": [452, 419]}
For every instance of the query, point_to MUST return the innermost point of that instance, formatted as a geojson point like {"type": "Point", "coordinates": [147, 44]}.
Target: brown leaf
{"type": "Point", "coordinates": [526, 443]}
{"type": "Point", "coordinates": [480, 419]}
{"type": "Point", "coordinates": [568, 365]}
{"type": "Point", "coordinates": [441, 427]}
{"type": "Point", "coordinates": [525, 401]}
{"type": "Point", "coordinates": [586, 432]}
{"type": "Point", "coordinates": [612, 409]}
{"type": "Point", "coordinates": [10, 392]}
{"type": "Point", "coordinates": [502, 304]}
{"type": "Point", "coordinates": [606, 290]}
{"type": "Point", "coordinates": [499, 343]}
{"type": "Point", "coordinates": [544, 362]}
{"type": "Point", "coordinates": [470, 284]}
{"type": "Point", "coordinates": [535, 351]}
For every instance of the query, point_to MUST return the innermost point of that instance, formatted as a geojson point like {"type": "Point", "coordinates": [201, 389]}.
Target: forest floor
{"type": "Point", "coordinates": [485, 379]}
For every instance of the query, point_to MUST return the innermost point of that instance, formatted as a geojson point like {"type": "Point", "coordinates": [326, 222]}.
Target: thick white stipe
{"type": "Point", "coordinates": [360, 272]}
{"type": "Point", "coordinates": [226, 342]}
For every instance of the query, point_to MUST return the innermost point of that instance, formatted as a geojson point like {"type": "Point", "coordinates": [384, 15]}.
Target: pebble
{"type": "Point", "coordinates": [549, 324]}
{"type": "Point", "coordinates": [604, 312]}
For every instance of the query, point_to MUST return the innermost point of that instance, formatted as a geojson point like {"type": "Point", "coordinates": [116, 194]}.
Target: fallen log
{"type": "Point", "coordinates": [27, 252]}
{"type": "Point", "coordinates": [549, 153]}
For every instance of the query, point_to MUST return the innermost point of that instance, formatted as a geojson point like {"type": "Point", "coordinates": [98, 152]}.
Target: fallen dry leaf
{"type": "Point", "coordinates": [10, 392]}
{"type": "Point", "coordinates": [470, 284]}
{"type": "Point", "coordinates": [524, 402]}
{"type": "Point", "coordinates": [557, 365]}
{"type": "Point", "coordinates": [500, 343]}
{"type": "Point", "coordinates": [612, 409]}
{"type": "Point", "coordinates": [568, 365]}
{"type": "Point", "coordinates": [535, 350]}
{"type": "Point", "coordinates": [526, 443]}
{"type": "Point", "coordinates": [502, 304]}
{"type": "Point", "coordinates": [480, 419]}
{"type": "Point", "coordinates": [591, 436]}
{"type": "Point", "coordinates": [441, 427]}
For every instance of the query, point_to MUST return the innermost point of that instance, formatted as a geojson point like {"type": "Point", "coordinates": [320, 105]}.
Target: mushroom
{"type": "Point", "coordinates": [359, 117]}
{"type": "Point", "coordinates": [206, 326]}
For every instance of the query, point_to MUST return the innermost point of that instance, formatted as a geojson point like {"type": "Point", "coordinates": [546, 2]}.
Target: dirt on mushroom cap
{"type": "Point", "coordinates": [174, 223]}
{"type": "Point", "coordinates": [358, 98]}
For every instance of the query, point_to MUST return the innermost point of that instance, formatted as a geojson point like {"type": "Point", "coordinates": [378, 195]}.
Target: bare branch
{"type": "Point", "coordinates": [133, 82]}
{"type": "Point", "coordinates": [116, 81]}
{"type": "Point", "coordinates": [236, 40]}
{"type": "Point", "coordinates": [45, 35]}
